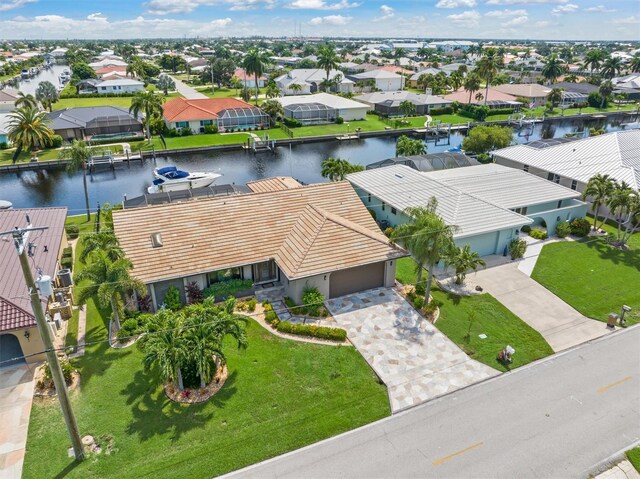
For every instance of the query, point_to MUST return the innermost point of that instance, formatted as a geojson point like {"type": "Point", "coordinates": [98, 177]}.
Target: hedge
{"type": "Point", "coordinates": [73, 231]}
{"type": "Point", "coordinates": [447, 110]}
{"type": "Point", "coordinates": [226, 288]}
{"type": "Point", "coordinates": [97, 95]}
{"type": "Point", "coordinates": [322, 332]}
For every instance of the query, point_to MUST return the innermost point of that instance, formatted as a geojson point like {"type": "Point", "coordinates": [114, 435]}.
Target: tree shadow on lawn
{"type": "Point", "coordinates": [154, 414]}
{"type": "Point", "coordinates": [98, 359]}
{"type": "Point", "coordinates": [615, 255]}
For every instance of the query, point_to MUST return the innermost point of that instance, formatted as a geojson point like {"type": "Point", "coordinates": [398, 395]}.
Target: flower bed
{"type": "Point", "coordinates": [194, 396]}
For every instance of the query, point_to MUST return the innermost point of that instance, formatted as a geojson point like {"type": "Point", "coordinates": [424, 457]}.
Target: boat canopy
{"type": "Point", "coordinates": [167, 169]}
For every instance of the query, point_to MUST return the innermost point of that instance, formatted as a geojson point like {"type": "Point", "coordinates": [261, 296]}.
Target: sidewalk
{"type": "Point", "coordinates": [186, 91]}
{"type": "Point", "coordinates": [622, 470]}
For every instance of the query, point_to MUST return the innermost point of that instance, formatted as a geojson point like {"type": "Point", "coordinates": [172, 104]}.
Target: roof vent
{"type": "Point", "coordinates": [156, 240]}
{"type": "Point", "coordinates": [398, 175]}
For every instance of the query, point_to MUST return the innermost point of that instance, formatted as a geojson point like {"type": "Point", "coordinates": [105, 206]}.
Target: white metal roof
{"type": "Point", "coordinates": [402, 187]}
{"type": "Point", "coordinates": [121, 82]}
{"type": "Point", "coordinates": [327, 99]}
{"type": "Point", "coordinates": [376, 74]}
{"type": "Point", "coordinates": [616, 154]}
{"type": "Point", "coordinates": [503, 186]}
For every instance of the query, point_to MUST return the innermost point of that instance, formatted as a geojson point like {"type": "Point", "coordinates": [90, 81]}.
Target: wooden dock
{"type": "Point", "coordinates": [111, 161]}
{"type": "Point", "coordinates": [347, 137]}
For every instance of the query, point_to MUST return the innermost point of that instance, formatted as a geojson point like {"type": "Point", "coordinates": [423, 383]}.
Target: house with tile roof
{"type": "Point", "coordinates": [284, 234]}
{"type": "Point", "coordinates": [310, 80]}
{"type": "Point", "coordinates": [20, 340]}
{"type": "Point", "coordinates": [248, 80]}
{"type": "Point", "coordinates": [495, 99]}
{"type": "Point", "coordinates": [387, 103]}
{"type": "Point", "coordinates": [227, 114]}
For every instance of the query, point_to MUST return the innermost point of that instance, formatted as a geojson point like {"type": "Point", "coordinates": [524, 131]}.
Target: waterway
{"type": "Point", "coordinates": [56, 188]}
{"type": "Point", "coordinates": [50, 75]}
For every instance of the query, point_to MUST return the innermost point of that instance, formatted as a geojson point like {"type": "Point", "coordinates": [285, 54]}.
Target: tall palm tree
{"type": "Point", "coordinates": [456, 80]}
{"type": "Point", "coordinates": [164, 346]}
{"type": "Point", "coordinates": [606, 88]}
{"type": "Point", "coordinates": [110, 281]}
{"type": "Point", "coordinates": [255, 63]}
{"type": "Point", "coordinates": [104, 241]}
{"type": "Point", "coordinates": [553, 68]}
{"type": "Point", "coordinates": [598, 189]}
{"type": "Point", "coordinates": [571, 78]}
{"type": "Point", "coordinates": [26, 101]}
{"type": "Point", "coordinates": [611, 67]}
{"type": "Point", "coordinates": [593, 59]}
{"type": "Point", "coordinates": [488, 67]}
{"type": "Point", "coordinates": [328, 59]}
{"type": "Point", "coordinates": [555, 96]}
{"type": "Point", "coordinates": [427, 236]}
{"type": "Point", "coordinates": [47, 94]}
{"type": "Point", "coordinates": [28, 130]}
{"type": "Point", "coordinates": [336, 169]}
{"type": "Point", "coordinates": [463, 260]}
{"type": "Point", "coordinates": [472, 84]}
{"type": "Point", "coordinates": [79, 155]}
{"type": "Point", "coordinates": [634, 65]}
{"type": "Point", "coordinates": [295, 87]}
{"type": "Point", "coordinates": [619, 203]}
{"type": "Point", "coordinates": [136, 67]}
{"type": "Point", "coordinates": [149, 103]}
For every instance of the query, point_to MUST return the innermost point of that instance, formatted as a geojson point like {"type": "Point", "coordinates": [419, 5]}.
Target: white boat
{"type": "Point", "coordinates": [170, 178]}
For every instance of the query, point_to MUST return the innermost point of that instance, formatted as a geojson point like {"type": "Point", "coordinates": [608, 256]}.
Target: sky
{"type": "Point", "coordinates": [482, 19]}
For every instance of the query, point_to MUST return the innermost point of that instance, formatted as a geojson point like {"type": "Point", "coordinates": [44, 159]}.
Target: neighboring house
{"type": "Point", "coordinates": [575, 92]}
{"type": "Point", "coordinates": [572, 163]}
{"type": "Point", "coordinates": [225, 113]}
{"type": "Point", "coordinates": [20, 340]}
{"type": "Point", "coordinates": [380, 80]}
{"type": "Point", "coordinates": [124, 85]}
{"type": "Point", "coordinates": [318, 235]}
{"type": "Point", "coordinates": [451, 46]}
{"type": "Point", "coordinates": [496, 98]}
{"type": "Point", "coordinates": [59, 52]}
{"type": "Point", "coordinates": [535, 94]}
{"type": "Point", "coordinates": [88, 86]}
{"type": "Point", "coordinates": [4, 128]}
{"type": "Point", "coordinates": [351, 67]}
{"type": "Point", "coordinates": [413, 79]}
{"type": "Point", "coordinates": [322, 108]}
{"type": "Point", "coordinates": [425, 163]}
{"type": "Point", "coordinates": [388, 103]}
{"type": "Point", "coordinates": [110, 70]}
{"type": "Point", "coordinates": [86, 122]}
{"type": "Point", "coordinates": [249, 80]}
{"type": "Point", "coordinates": [488, 203]}
{"type": "Point", "coordinates": [106, 62]}
{"type": "Point", "coordinates": [629, 85]}
{"type": "Point", "coordinates": [8, 98]}
{"type": "Point", "coordinates": [311, 80]}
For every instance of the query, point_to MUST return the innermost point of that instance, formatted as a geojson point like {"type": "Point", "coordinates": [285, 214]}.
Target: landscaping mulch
{"type": "Point", "coordinates": [199, 395]}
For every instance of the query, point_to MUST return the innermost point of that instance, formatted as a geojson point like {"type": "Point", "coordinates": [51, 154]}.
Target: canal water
{"type": "Point", "coordinates": [56, 188]}
{"type": "Point", "coordinates": [50, 75]}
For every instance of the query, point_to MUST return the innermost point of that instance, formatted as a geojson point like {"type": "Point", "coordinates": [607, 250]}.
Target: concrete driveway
{"type": "Point", "coordinates": [16, 394]}
{"type": "Point", "coordinates": [562, 326]}
{"type": "Point", "coordinates": [414, 359]}
{"type": "Point", "coordinates": [188, 92]}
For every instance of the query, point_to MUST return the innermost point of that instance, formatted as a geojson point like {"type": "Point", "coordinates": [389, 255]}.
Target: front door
{"type": "Point", "coordinates": [265, 272]}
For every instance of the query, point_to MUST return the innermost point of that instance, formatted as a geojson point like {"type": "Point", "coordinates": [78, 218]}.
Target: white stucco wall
{"type": "Point", "coordinates": [295, 288]}
{"type": "Point", "coordinates": [352, 114]}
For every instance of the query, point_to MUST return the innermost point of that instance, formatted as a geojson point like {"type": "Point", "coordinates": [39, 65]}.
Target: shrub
{"type": "Point", "coordinates": [421, 289]}
{"type": "Point", "coordinates": [211, 129]}
{"type": "Point", "coordinates": [55, 142]}
{"type": "Point", "coordinates": [525, 229]}
{"type": "Point", "coordinates": [128, 328]}
{"type": "Point", "coordinates": [172, 299]}
{"type": "Point", "coordinates": [432, 306]}
{"type": "Point", "coordinates": [292, 122]}
{"type": "Point", "coordinates": [270, 316]}
{"type": "Point", "coordinates": [538, 234]}
{"type": "Point", "coordinates": [66, 263]}
{"type": "Point", "coordinates": [73, 231]}
{"type": "Point", "coordinates": [251, 305]}
{"type": "Point", "coordinates": [563, 229]}
{"type": "Point", "coordinates": [186, 131]}
{"type": "Point", "coordinates": [447, 110]}
{"type": "Point", "coordinates": [4, 145]}
{"type": "Point", "coordinates": [389, 231]}
{"type": "Point", "coordinates": [313, 300]}
{"type": "Point", "coordinates": [67, 372]}
{"type": "Point", "coordinates": [517, 248]}
{"type": "Point", "coordinates": [580, 227]}
{"type": "Point", "coordinates": [267, 306]}
{"type": "Point", "coordinates": [484, 158]}
{"type": "Point", "coordinates": [418, 302]}
{"type": "Point", "coordinates": [339, 120]}
{"type": "Point", "coordinates": [226, 288]}
{"type": "Point", "coordinates": [194, 293]}
{"type": "Point", "coordinates": [334, 334]}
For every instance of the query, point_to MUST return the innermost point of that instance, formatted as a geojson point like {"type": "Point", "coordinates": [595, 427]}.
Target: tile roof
{"type": "Point", "coordinates": [182, 109]}
{"type": "Point", "coordinates": [394, 98]}
{"type": "Point", "coordinates": [276, 183]}
{"type": "Point", "coordinates": [526, 90]}
{"type": "Point", "coordinates": [14, 317]}
{"type": "Point", "coordinates": [212, 234]}
{"type": "Point", "coordinates": [462, 96]}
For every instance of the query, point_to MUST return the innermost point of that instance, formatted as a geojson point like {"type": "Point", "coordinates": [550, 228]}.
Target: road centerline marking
{"type": "Point", "coordinates": [612, 385]}
{"type": "Point", "coordinates": [451, 456]}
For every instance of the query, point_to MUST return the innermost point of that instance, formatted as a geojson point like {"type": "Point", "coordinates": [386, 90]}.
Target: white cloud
{"type": "Point", "coordinates": [523, 2]}
{"type": "Point", "coordinates": [456, 3]}
{"type": "Point", "coordinates": [632, 20]}
{"type": "Point", "coordinates": [168, 7]}
{"type": "Point", "coordinates": [506, 13]}
{"type": "Point", "coordinates": [599, 9]}
{"type": "Point", "coordinates": [516, 21]}
{"type": "Point", "coordinates": [322, 5]}
{"type": "Point", "coordinates": [6, 5]}
{"type": "Point", "coordinates": [564, 9]}
{"type": "Point", "coordinates": [97, 17]}
{"type": "Point", "coordinates": [221, 23]}
{"type": "Point", "coordinates": [470, 18]}
{"type": "Point", "coordinates": [330, 20]}
{"type": "Point", "coordinates": [386, 13]}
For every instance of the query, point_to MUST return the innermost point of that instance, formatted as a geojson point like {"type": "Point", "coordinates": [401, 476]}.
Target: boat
{"type": "Point", "coordinates": [455, 149]}
{"type": "Point", "coordinates": [170, 178]}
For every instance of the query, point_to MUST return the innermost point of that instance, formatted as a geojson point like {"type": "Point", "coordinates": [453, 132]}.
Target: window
{"type": "Point", "coordinates": [156, 240]}
{"type": "Point", "coordinates": [224, 275]}
{"type": "Point", "coordinates": [369, 198]}
{"type": "Point", "coordinates": [521, 211]}
{"type": "Point", "coordinates": [393, 211]}
{"type": "Point", "coordinates": [104, 88]}
{"type": "Point", "coordinates": [182, 124]}
{"type": "Point", "coordinates": [574, 184]}
{"type": "Point", "coordinates": [526, 168]}
{"type": "Point", "coordinates": [559, 204]}
{"type": "Point", "coordinates": [206, 122]}
{"type": "Point", "coordinates": [553, 177]}
{"type": "Point", "coordinates": [383, 205]}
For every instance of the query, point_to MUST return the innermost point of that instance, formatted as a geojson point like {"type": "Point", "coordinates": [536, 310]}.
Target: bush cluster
{"type": "Point", "coordinates": [517, 248]}
{"type": "Point", "coordinates": [95, 95]}
{"type": "Point", "coordinates": [538, 234]}
{"type": "Point", "coordinates": [172, 299]}
{"type": "Point", "coordinates": [447, 110]}
{"type": "Point", "coordinates": [211, 129]}
{"type": "Point", "coordinates": [525, 229]}
{"type": "Point", "coordinates": [226, 288]}
{"type": "Point", "coordinates": [432, 306]}
{"type": "Point", "coordinates": [292, 122]}
{"type": "Point", "coordinates": [339, 120]}
{"type": "Point", "coordinates": [67, 258]}
{"type": "Point", "coordinates": [67, 372]}
{"type": "Point", "coordinates": [563, 229]}
{"type": "Point", "coordinates": [580, 227]}
{"type": "Point", "coordinates": [313, 300]}
{"type": "Point", "coordinates": [249, 305]}
{"type": "Point", "coordinates": [4, 145]}
{"type": "Point", "coordinates": [389, 231]}
{"type": "Point", "coordinates": [322, 332]}
{"type": "Point", "coordinates": [73, 231]}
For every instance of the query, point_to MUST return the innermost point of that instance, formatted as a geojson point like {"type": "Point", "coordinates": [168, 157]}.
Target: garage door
{"type": "Point", "coordinates": [10, 351]}
{"type": "Point", "coordinates": [358, 279]}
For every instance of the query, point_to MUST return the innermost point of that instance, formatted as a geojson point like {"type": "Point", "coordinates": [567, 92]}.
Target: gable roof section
{"type": "Point", "coordinates": [277, 183]}
{"type": "Point", "coordinates": [14, 317]}
{"type": "Point", "coordinates": [217, 233]}
{"type": "Point", "coordinates": [182, 109]}
{"type": "Point", "coordinates": [81, 117]}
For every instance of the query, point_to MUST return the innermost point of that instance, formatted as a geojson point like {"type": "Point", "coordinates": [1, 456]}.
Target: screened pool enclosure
{"type": "Point", "coordinates": [311, 113]}
{"type": "Point", "coordinates": [233, 118]}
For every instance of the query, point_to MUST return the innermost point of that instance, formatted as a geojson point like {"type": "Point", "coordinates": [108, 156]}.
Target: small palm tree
{"type": "Point", "coordinates": [336, 169]}
{"type": "Point", "coordinates": [78, 155]}
{"type": "Point", "coordinates": [328, 60]}
{"type": "Point", "coordinates": [28, 130]}
{"type": "Point", "coordinates": [463, 260]}
{"type": "Point", "coordinates": [606, 88]}
{"type": "Point", "coordinates": [255, 63]}
{"type": "Point", "coordinates": [619, 202]}
{"type": "Point", "coordinates": [634, 65]}
{"type": "Point", "coordinates": [26, 101]}
{"type": "Point", "coordinates": [407, 108]}
{"type": "Point", "coordinates": [553, 68]}
{"type": "Point", "coordinates": [406, 146]}
{"type": "Point", "coordinates": [472, 84]}
{"type": "Point", "coordinates": [295, 87]}
{"type": "Point", "coordinates": [555, 96]}
{"type": "Point", "coordinates": [166, 83]}
{"type": "Point", "coordinates": [164, 346]}
{"type": "Point", "coordinates": [149, 103]}
{"type": "Point", "coordinates": [611, 67]}
{"type": "Point", "coordinates": [103, 241]}
{"type": "Point", "coordinates": [598, 188]}
{"type": "Point", "coordinates": [47, 94]}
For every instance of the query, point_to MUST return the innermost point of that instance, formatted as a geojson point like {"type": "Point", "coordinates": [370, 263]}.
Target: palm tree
{"type": "Point", "coordinates": [479, 97]}
{"type": "Point", "coordinates": [28, 130]}
{"type": "Point", "coordinates": [405, 146]}
{"type": "Point", "coordinates": [555, 96]}
{"type": "Point", "coordinates": [571, 78]}
{"type": "Point", "coordinates": [593, 59]}
{"type": "Point", "coordinates": [336, 169]}
{"type": "Point", "coordinates": [328, 59]}
{"type": "Point", "coordinates": [634, 65]}
{"type": "Point", "coordinates": [164, 346]}
{"type": "Point", "coordinates": [104, 241]}
{"type": "Point", "coordinates": [166, 83]}
{"type": "Point", "coordinates": [553, 68]}
{"type": "Point", "coordinates": [236, 83]}
{"type": "Point", "coordinates": [255, 63]}
{"type": "Point", "coordinates": [79, 155]}
{"type": "Point", "coordinates": [463, 260]}
{"type": "Point", "coordinates": [110, 281]}
{"type": "Point", "coordinates": [488, 67]}
{"type": "Point", "coordinates": [47, 94]}
{"type": "Point", "coordinates": [611, 67]}
{"type": "Point", "coordinates": [148, 102]}
{"type": "Point", "coordinates": [136, 67]}
{"type": "Point", "coordinates": [295, 87]}
{"type": "Point", "coordinates": [427, 236]}
{"type": "Point", "coordinates": [472, 84]}
{"type": "Point", "coordinates": [272, 90]}
{"type": "Point", "coordinates": [26, 101]}
{"type": "Point", "coordinates": [456, 80]}
{"type": "Point", "coordinates": [606, 88]}
{"type": "Point", "coordinates": [619, 203]}
{"type": "Point", "coordinates": [407, 108]}
{"type": "Point", "coordinates": [598, 188]}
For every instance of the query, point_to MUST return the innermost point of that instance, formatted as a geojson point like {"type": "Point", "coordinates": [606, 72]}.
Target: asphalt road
{"type": "Point", "coordinates": [555, 419]}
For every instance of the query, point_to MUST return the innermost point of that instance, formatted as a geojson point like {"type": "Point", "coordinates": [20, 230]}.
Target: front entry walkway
{"type": "Point", "coordinates": [562, 326]}
{"type": "Point", "coordinates": [413, 358]}
{"type": "Point", "coordinates": [16, 394]}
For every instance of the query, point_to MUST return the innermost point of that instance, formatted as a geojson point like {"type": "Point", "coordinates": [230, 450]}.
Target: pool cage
{"type": "Point", "coordinates": [311, 113]}
{"type": "Point", "coordinates": [239, 118]}
{"type": "Point", "coordinates": [111, 124]}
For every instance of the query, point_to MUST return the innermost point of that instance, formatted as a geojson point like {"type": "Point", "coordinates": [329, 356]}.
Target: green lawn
{"type": "Point", "coordinates": [120, 101]}
{"type": "Point", "coordinates": [634, 457]}
{"type": "Point", "coordinates": [593, 277]}
{"type": "Point", "coordinates": [406, 270]}
{"type": "Point", "coordinates": [220, 92]}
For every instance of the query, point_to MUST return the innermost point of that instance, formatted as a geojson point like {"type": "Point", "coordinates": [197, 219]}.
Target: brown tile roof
{"type": "Point", "coordinates": [276, 183]}
{"type": "Point", "coordinates": [182, 109]}
{"type": "Point", "coordinates": [462, 96]}
{"type": "Point", "coordinates": [14, 317]}
{"type": "Point", "coordinates": [210, 234]}
{"type": "Point", "coordinates": [12, 287]}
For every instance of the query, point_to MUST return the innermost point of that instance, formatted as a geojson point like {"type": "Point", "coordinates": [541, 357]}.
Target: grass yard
{"type": "Point", "coordinates": [634, 457]}
{"type": "Point", "coordinates": [593, 277]}
{"type": "Point", "coordinates": [221, 92]}
{"type": "Point", "coordinates": [119, 101]}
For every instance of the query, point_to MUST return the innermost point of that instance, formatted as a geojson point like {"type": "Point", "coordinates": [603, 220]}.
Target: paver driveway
{"type": "Point", "coordinates": [414, 359]}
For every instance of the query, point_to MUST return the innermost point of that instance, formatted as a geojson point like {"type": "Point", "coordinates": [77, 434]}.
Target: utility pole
{"type": "Point", "coordinates": [20, 237]}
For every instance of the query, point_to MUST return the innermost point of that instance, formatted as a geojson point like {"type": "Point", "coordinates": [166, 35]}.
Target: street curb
{"type": "Point", "coordinates": [610, 461]}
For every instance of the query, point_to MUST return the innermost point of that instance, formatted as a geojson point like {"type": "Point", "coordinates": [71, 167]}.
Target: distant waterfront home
{"type": "Point", "coordinates": [8, 99]}
{"type": "Point", "coordinates": [430, 162]}
{"type": "Point", "coordinates": [223, 113]}
{"type": "Point", "coordinates": [496, 99]}
{"type": "Point", "coordinates": [20, 340]}
{"type": "Point", "coordinates": [248, 80]}
{"type": "Point", "coordinates": [310, 80]}
{"type": "Point", "coordinates": [379, 79]}
{"type": "Point", "coordinates": [121, 85]}
{"type": "Point", "coordinates": [87, 122]}
{"type": "Point", "coordinates": [322, 108]}
{"type": "Point", "coordinates": [388, 102]}
{"type": "Point", "coordinates": [318, 235]}
{"type": "Point", "coordinates": [535, 94]}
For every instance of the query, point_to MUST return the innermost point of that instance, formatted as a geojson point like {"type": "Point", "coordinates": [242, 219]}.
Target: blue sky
{"type": "Point", "coordinates": [534, 19]}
